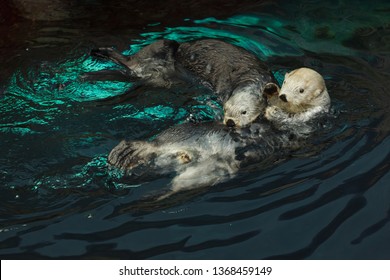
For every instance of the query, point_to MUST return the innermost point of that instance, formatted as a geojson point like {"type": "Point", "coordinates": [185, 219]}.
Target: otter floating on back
{"type": "Point", "coordinates": [237, 76]}
{"type": "Point", "coordinates": [199, 155]}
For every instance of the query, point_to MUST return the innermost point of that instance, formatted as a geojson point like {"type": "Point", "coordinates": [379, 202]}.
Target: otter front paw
{"type": "Point", "coordinates": [272, 112]}
{"type": "Point", "coordinates": [184, 157]}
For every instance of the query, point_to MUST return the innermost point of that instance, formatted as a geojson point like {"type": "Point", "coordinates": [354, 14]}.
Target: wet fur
{"type": "Point", "coordinates": [201, 155]}
{"type": "Point", "coordinates": [210, 153]}
{"type": "Point", "coordinates": [236, 76]}
{"type": "Point", "coordinates": [302, 97]}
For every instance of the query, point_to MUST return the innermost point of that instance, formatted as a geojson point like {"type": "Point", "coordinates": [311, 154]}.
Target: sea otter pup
{"type": "Point", "coordinates": [237, 76]}
{"type": "Point", "coordinates": [303, 95]}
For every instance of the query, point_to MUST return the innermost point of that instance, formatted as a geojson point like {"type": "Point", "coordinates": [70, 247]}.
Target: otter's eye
{"type": "Point", "coordinates": [243, 112]}
{"type": "Point", "coordinates": [301, 90]}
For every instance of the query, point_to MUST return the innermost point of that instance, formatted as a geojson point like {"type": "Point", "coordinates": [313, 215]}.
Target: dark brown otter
{"type": "Point", "coordinates": [237, 76]}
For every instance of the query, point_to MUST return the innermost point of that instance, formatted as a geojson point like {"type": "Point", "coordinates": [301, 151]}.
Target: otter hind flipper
{"type": "Point", "coordinates": [125, 155]}
{"type": "Point", "coordinates": [109, 75]}
{"type": "Point", "coordinates": [110, 54]}
{"type": "Point", "coordinates": [126, 74]}
{"type": "Point", "coordinates": [100, 53]}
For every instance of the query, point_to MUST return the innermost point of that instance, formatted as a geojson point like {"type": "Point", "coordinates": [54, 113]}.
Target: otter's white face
{"type": "Point", "coordinates": [243, 107]}
{"type": "Point", "coordinates": [302, 89]}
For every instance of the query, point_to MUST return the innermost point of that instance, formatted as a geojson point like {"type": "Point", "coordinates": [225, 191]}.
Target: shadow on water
{"type": "Point", "coordinates": [59, 200]}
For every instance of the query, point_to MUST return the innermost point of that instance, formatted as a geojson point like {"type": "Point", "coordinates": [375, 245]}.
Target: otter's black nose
{"type": "Point", "coordinates": [230, 123]}
{"type": "Point", "coordinates": [283, 97]}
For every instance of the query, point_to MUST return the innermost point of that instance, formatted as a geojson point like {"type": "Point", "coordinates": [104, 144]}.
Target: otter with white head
{"type": "Point", "coordinates": [302, 97]}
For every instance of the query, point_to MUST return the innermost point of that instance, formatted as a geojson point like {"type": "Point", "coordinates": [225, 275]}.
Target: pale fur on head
{"type": "Point", "coordinates": [244, 106]}
{"type": "Point", "coordinates": [302, 96]}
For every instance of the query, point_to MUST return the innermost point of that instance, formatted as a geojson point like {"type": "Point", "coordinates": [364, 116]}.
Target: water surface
{"type": "Point", "coordinates": [58, 199]}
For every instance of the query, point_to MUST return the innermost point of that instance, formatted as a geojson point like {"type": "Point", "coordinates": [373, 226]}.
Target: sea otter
{"type": "Point", "coordinates": [237, 76]}
{"type": "Point", "coordinates": [302, 97]}
{"type": "Point", "coordinates": [199, 155]}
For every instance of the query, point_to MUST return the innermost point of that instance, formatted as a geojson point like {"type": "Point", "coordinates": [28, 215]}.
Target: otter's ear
{"type": "Point", "coordinates": [270, 90]}
{"type": "Point", "coordinates": [288, 74]}
{"type": "Point", "coordinates": [318, 92]}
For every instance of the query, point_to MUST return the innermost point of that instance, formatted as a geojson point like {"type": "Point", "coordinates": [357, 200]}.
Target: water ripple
{"type": "Point", "coordinates": [329, 200]}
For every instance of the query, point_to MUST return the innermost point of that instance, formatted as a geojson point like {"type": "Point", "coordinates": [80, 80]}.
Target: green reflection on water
{"type": "Point", "coordinates": [264, 22]}
{"type": "Point", "coordinates": [49, 86]}
{"type": "Point", "coordinates": [182, 34]}
{"type": "Point", "coordinates": [42, 99]}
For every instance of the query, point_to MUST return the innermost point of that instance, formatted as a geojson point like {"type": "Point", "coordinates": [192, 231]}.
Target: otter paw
{"type": "Point", "coordinates": [184, 157]}
{"type": "Point", "coordinates": [270, 112]}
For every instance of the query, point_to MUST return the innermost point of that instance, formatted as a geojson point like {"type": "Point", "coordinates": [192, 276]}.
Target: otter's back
{"type": "Point", "coordinates": [222, 65]}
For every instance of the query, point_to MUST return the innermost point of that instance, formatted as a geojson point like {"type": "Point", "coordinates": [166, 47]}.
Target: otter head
{"type": "Point", "coordinates": [243, 107]}
{"type": "Point", "coordinates": [302, 89]}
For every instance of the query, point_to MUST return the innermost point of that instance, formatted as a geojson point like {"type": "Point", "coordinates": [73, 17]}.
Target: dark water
{"type": "Point", "coordinates": [331, 200]}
